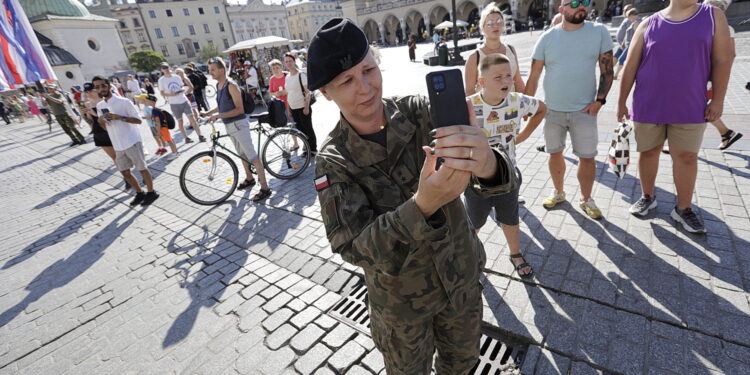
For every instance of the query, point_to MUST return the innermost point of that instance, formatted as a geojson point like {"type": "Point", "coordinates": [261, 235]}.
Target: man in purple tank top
{"type": "Point", "coordinates": [673, 55]}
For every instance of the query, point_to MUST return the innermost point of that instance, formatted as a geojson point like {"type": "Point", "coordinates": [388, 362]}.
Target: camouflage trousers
{"type": "Point", "coordinates": [69, 127]}
{"type": "Point", "coordinates": [408, 348]}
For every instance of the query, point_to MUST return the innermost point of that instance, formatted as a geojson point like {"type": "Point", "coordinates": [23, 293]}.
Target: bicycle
{"type": "Point", "coordinates": [210, 177]}
{"type": "Point", "coordinates": [210, 91]}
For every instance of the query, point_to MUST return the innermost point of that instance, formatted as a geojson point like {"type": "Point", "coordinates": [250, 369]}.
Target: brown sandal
{"type": "Point", "coordinates": [521, 266]}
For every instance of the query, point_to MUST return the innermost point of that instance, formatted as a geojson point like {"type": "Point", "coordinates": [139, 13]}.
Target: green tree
{"type": "Point", "coordinates": [145, 61]}
{"type": "Point", "coordinates": [208, 51]}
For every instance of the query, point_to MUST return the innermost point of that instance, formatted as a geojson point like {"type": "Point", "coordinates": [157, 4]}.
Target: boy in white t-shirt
{"type": "Point", "coordinates": [500, 112]}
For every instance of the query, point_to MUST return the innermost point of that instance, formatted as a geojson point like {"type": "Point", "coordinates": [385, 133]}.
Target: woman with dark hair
{"type": "Point", "coordinates": [148, 86]}
{"type": "Point", "coordinates": [298, 98]}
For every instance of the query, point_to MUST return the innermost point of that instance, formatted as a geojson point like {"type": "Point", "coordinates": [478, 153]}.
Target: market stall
{"type": "Point", "coordinates": [259, 51]}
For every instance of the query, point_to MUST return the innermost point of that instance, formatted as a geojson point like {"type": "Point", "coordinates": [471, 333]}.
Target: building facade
{"type": "Point", "coordinates": [89, 39]}
{"type": "Point", "coordinates": [131, 27]}
{"type": "Point", "coordinates": [305, 17]}
{"type": "Point", "coordinates": [179, 29]}
{"type": "Point", "coordinates": [391, 21]}
{"type": "Point", "coordinates": [257, 19]}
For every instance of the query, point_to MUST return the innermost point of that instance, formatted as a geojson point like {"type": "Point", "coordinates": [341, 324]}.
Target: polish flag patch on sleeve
{"type": "Point", "coordinates": [321, 183]}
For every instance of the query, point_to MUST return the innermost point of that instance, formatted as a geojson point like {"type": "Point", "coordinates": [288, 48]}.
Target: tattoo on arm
{"type": "Point", "coordinates": [606, 65]}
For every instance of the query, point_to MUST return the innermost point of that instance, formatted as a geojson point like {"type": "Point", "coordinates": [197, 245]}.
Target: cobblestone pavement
{"type": "Point", "coordinates": [93, 286]}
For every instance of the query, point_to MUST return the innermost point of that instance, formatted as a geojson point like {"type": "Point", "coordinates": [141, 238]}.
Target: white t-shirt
{"type": "Point", "coordinates": [121, 133]}
{"type": "Point", "coordinates": [295, 95]}
{"type": "Point", "coordinates": [252, 77]}
{"type": "Point", "coordinates": [501, 123]}
{"type": "Point", "coordinates": [133, 87]}
{"type": "Point", "coordinates": [172, 85]}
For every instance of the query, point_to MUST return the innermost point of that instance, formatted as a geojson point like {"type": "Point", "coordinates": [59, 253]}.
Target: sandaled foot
{"type": "Point", "coordinates": [519, 267]}
{"type": "Point", "coordinates": [728, 139]}
{"type": "Point", "coordinates": [262, 194]}
{"type": "Point", "coordinates": [246, 184]}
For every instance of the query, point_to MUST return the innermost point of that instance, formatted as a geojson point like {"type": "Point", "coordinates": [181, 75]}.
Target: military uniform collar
{"type": "Point", "coordinates": [399, 130]}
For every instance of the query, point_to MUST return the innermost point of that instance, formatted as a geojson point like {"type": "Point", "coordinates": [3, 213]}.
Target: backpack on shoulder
{"type": "Point", "coordinates": [168, 118]}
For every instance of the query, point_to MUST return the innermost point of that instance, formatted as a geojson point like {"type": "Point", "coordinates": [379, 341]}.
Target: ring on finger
{"type": "Point", "coordinates": [471, 153]}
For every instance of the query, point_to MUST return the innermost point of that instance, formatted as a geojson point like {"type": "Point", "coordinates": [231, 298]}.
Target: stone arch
{"type": "Point", "coordinates": [437, 14]}
{"type": "Point", "coordinates": [392, 28]}
{"type": "Point", "coordinates": [371, 30]}
{"type": "Point", "coordinates": [415, 23]}
{"type": "Point", "coordinates": [468, 11]}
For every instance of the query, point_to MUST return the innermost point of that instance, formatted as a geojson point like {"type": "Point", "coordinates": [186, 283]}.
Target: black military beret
{"type": "Point", "coordinates": [336, 47]}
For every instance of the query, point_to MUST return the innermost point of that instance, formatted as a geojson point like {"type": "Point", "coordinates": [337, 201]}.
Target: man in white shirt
{"type": "Point", "coordinates": [171, 87]}
{"type": "Point", "coordinates": [251, 79]}
{"type": "Point", "coordinates": [132, 88]}
{"type": "Point", "coordinates": [120, 118]}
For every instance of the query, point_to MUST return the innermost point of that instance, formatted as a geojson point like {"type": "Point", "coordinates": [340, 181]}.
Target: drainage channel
{"type": "Point", "coordinates": [498, 355]}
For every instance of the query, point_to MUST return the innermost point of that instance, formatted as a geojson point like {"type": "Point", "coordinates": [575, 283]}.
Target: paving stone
{"type": "Point", "coordinates": [277, 302]}
{"type": "Point", "coordinates": [306, 338]}
{"type": "Point", "coordinates": [345, 356]}
{"type": "Point", "coordinates": [374, 361]}
{"type": "Point", "coordinates": [312, 359]}
{"type": "Point", "coordinates": [306, 316]}
{"type": "Point", "coordinates": [339, 335]}
{"type": "Point", "coordinates": [280, 336]}
{"type": "Point", "coordinates": [277, 319]}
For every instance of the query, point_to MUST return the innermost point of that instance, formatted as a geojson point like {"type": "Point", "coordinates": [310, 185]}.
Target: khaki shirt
{"type": "Point", "coordinates": [413, 267]}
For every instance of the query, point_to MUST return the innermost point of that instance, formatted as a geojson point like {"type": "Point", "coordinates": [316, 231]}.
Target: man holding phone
{"type": "Point", "coordinates": [120, 118]}
{"type": "Point", "coordinates": [386, 209]}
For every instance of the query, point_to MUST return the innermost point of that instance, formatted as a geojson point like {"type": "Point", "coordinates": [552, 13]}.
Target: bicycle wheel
{"type": "Point", "coordinates": [207, 180]}
{"type": "Point", "coordinates": [278, 157]}
{"type": "Point", "coordinates": [210, 91]}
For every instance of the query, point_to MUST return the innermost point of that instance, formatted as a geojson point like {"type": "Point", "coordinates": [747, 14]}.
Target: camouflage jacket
{"type": "Point", "coordinates": [413, 266]}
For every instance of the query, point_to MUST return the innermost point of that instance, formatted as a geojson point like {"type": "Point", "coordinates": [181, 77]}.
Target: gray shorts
{"type": "Point", "coordinates": [505, 205]}
{"type": "Point", "coordinates": [584, 134]}
{"type": "Point", "coordinates": [239, 133]}
{"type": "Point", "coordinates": [131, 157]}
{"type": "Point", "coordinates": [181, 109]}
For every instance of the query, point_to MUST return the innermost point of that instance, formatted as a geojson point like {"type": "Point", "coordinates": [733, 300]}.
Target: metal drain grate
{"type": "Point", "coordinates": [352, 309]}
{"type": "Point", "coordinates": [496, 355]}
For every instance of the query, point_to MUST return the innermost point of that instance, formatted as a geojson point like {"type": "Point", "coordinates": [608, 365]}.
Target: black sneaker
{"type": "Point", "coordinates": [201, 138]}
{"type": "Point", "coordinates": [74, 144]}
{"type": "Point", "coordinates": [150, 198]}
{"type": "Point", "coordinates": [139, 197]}
{"type": "Point", "coordinates": [689, 220]}
{"type": "Point", "coordinates": [541, 148]}
{"type": "Point", "coordinates": [188, 140]}
{"type": "Point", "coordinates": [643, 206]}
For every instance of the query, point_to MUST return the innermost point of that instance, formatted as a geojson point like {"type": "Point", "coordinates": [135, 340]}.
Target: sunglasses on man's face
{"type": "Point", "coordinates": [102, 86]}
{"type": "Point", "coordinates": [576, 3]}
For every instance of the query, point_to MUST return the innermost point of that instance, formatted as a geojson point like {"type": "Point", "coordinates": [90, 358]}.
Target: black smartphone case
{"type": "Point", "coordinates": [447, 100]}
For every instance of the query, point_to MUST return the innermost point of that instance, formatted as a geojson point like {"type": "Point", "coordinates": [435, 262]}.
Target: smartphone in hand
{"type": "Point", "coordinates": [447, 100]}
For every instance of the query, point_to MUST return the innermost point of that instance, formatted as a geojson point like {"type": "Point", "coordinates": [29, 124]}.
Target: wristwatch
{"type": "Point", "coordinates": [602, 100]}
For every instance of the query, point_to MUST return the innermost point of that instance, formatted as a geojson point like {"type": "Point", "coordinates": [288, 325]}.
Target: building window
{"type": "Point", "coordinates": [242, 35]}
{"type": "Point", "coordinates": [175, 32]}
{"type": "Point", "coordinates": [206, 29]}
{"type": "Point", "coordinates": [93, 44]}
{"type": "Point", "coordinates": [216, 10]}
{"type": "Point", "coordinates": [191, 29]}
{"type": "Point", "coordinates": [164, 51]}
{"type": "Point", "coordinates": [180, 49]}
{"type": "Point", "coordinates": [221, 27]}
{"type": "Point", "coordinates": [159, 35]}
{"type": "Point", "coordinates": [196, 46]}
{"type": "Point", "coordinates": [169, 13]}
{"type": "Point", "coordinates": [152, 13]}
{"type": "Point", "coordinates": [200, 10]}
{"type": "Point", "coordinates": [136, 22]}
{"type": "Point", "coordinates": [226, 43]}
{"type": "Point", "coordinates": [141, 36]}
{"type": "Point", "coordinates": [186, 11]}
{"type": "Point", "coordinates": [128, 38]}
{"type": "Point", "coordinates": [123, 25]}
{"type": "Point", "coordinates": [210, 42]}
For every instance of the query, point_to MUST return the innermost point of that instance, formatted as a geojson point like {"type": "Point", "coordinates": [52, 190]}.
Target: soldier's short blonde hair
{"type": "Point", "coordinates": [491, 8]}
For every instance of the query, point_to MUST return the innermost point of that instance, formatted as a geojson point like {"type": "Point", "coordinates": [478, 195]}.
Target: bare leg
{"type": "Point", "coordinates": [719, 125]}
{"type": "Point", "coordinates": [261, 173]}
{"type": "Point", "coordinates": [557, 170]}
{"type": "Point", "coordinates": [110, 151]}
{"type": "Point", "coordinates": [181, 124]}
{"type": "Point", "coordinates": [648, 166]}
{"type": "Point", "coordinates": [513, 237]}
{"type": "Point", "coordinates": [173, 147]}
{"type": "Point", "coordinates": [685, 170]}
{"type": "Point", "coordinates": [148, 180]}
{"type": "Point", "coordinates": [194, 124]}
{"type": "Point", "coordinates": [248, 173]}
{"type": "Point", "coordinates": [131, 180]}
{"type": "Point", "coordinates": [586, 174]}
